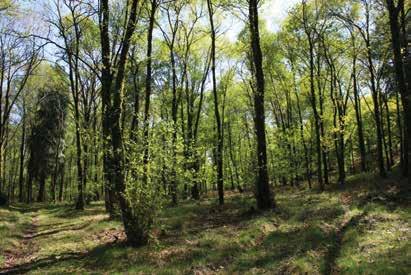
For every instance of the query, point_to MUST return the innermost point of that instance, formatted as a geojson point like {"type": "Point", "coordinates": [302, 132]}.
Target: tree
{"type": "Point", "coordinates": [173, 11]}
{"type": "Point", "coordinates": [148, 85]}
{"type": "Point", "coordinates": [394, 11]}
{"type": "Point", "coordinates": [19, 56]}
{"type": "Point", "coordinates": [112, 78]}
{"type": "Point", "coordinates": [313, 98]}
{"type": "Point", "coordinates": [220, 140]}
{"type": "Point", "coordinates": [365, 33]}
{"type": "Point", "coordinates": [263, 193]}
{"type": "Point", "coordinates": [45, 139]}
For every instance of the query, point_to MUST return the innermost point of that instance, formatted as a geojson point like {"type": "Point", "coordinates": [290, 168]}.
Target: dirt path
{"type": "Point", "coordinates": [24, 257]}
{"type": "Point", "coordinates": [348, 222]}
{"type": "Point", "coordinates": [24, 251]}
{"type": "Point", "coordinates": [334, 250]}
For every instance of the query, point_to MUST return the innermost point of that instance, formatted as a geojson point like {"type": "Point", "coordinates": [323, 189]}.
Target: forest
{"type": "Point", "coordinates": [205, 136]}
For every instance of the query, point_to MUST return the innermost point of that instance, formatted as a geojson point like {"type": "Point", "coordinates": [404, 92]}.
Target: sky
{"type": "Point", "coordinates": [272, 11]}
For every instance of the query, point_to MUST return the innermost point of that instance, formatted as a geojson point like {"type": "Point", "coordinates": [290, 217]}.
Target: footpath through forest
{"type": "Point", "coordinates": [363, 228]}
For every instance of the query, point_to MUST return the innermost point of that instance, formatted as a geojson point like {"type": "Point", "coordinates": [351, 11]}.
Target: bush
{"type": "Point", "coordinates": [144, 195]}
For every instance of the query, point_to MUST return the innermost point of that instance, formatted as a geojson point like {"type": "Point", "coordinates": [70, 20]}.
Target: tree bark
{"type": "Point", "coordinates": [22, 154]}
{"type": "Point", "coordinates": [136, 235]}
{"type": "Point", "coordinates": [220, 141]}
{"type": "Point", "coordinates": [106, 83]}
{"type": "Point", "coordinates": [148, 90]}
{"type": "Point", "coordinates": [394, 12]}
{"type": "Point", "coordinates": [264, 196]}
{"type": "Point", "coordinates": [358, 116]}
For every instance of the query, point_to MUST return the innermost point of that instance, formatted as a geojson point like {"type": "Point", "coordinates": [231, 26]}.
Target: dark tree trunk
{"type": "Point", "coordinates": [220, 141]}
{"type": "Point", "coordinates": [73, 65]}
{"type": "Point", "coordinates": [29, 198]}
{"type": "Point", "coordinates": [357, 106]}
{"type": "Point", "coordinates": [135, 232]}
{"type": "Point", "coordinates": [174, 112]}
{"type": "Point", "coordinates": [313, 100]}
{"type": "Point", "coordinates": [41, 196]}
{"type": "Point", "coordinates": [324, 149]}
{"type": "Point", "coordinates": [377, 114]}
{"type": "Point", "coordinates": [317, 123]}
{"type": "Point", "coordinates": [80, 179]}
{"type": "Point", "coordinates": [22, 154]}
{"type": "Point", "coordinates": [400, 131]}
{"type": "Point", "coordinates": [233, 160]}
{"type": "Point", "coordinates": [358, 117]}
{"type": "Point", "coordinates": [264, 195]}
{"type": "Point", "coordinates": [394, 12]}
{"type": "Point", "coordinates": [61, 189]}
{"type": "Point", "coordinates": [148, 89]}
{"type": "Point", "coordinates": [374, 94]}
{"type": "Point", "coordinates": [389, 132]}
{"type": "Point", "coordinates": [301, 128]}
{"type": "Point", "coordinates": [106, 83]}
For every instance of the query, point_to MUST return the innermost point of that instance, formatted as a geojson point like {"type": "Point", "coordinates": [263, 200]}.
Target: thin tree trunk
{"type": "Point", "coordinates": [358, 116]}
{"type": "Point", "coordinates": [400, 131]}
{"type": "Point", "coordinates": [220, 141]}
{"type": "Point", "coordinates": [148, 89]}
{"type": "Point", "coordinates": [22, 153]}
{"type": "Point", "coordinates": [61, 174]}
{"type": "Point", "coordinates": [389, 131]}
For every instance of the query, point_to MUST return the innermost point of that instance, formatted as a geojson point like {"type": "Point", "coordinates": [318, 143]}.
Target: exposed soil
{"type": "Point", "coordinates": [25, 249]}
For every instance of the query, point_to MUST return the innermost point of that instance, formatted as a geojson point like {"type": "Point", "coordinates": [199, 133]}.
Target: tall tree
{"type": "Point", "coordinates": [46, 135]}
{"type": "Point", "coordinates": [394, 11]}
{"type": "Point", "coordinates": [264, 195]}
{"type": "Point", "coordinates": [310, 33]}
{"type": "Point", "coordinates": [22, 151]}
{"type": "Point", "coordinates": [173, 11]}
{"type": "Point", "coordinates": [219, 136]}
{"type": "Point", "coordinates": [112, 77]}
{"type": "Point", "coordinates": [365, 33]}
{"type": "Point", "coordinates": [148, 86]}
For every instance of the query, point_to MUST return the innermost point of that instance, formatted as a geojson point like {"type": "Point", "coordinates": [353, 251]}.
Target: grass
{"type": "Point", "coordinates": [379, 243]}
{"type": "Point", "coordinates": [13, 222]}
{"type": "Point", "coordinates": [356, 230]}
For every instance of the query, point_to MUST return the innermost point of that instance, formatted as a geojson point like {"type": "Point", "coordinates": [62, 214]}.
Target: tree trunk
{"type": "Point", "coordinates": [148, 89]}
{"type": "Point", "coordinates": [405, 92]}
{"type": "Point", "coordinates": [377, 114]}
{"type": "Point", "coordinates": [400, 131]}
{"type": "Point", "coordinates": [265, 199]}
{"type": "Point", "coordinates": [61, 189]}
{"type": "Point", "coordinates": [29, 198]}
{"type": "Point", "coordinates": [80, 179]}
{"type": "Point", "coordinates": [174, 112]}
{"type": "Point", "coordinates": [41, 196]}
{"type": "Point", "coordinates": [358, 116]}
{"type": "Point", "coordinates": [374, 94]}
{"type": "Point", "coordinates": [106, 84]}
{"type": "Point", "coordinates": [22, 154]}
{"type": "Point", "coordinates": [135, 232]}
{"type": "Point", "coordinates": [220, 141]}
{"type": "Point", "coordinates": [389, 131]}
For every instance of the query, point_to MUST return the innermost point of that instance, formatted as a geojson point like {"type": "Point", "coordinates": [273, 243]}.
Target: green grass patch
{"type": "Point", "coordinates": [13, 222]}
{"type": "Point", "coordinates": [302, 235]}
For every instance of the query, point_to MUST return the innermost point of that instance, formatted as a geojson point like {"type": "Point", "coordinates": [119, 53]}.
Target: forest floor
{"type": "Point", "coordinates": [363, 228]}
